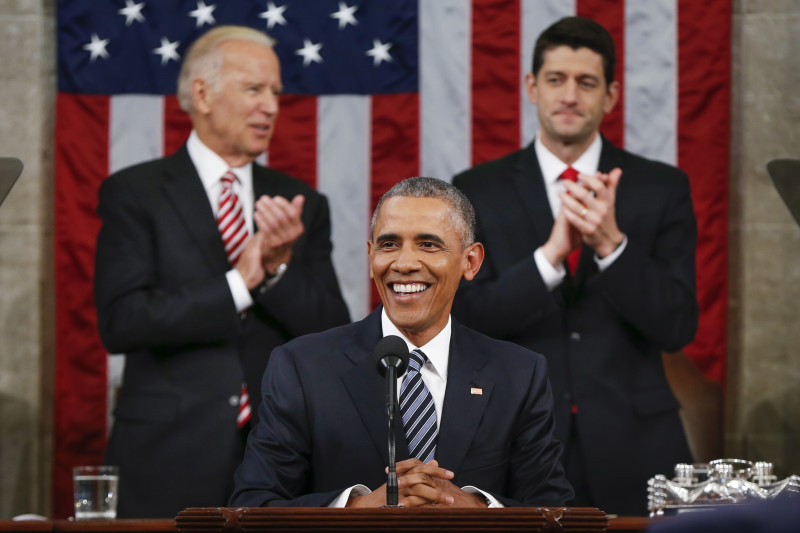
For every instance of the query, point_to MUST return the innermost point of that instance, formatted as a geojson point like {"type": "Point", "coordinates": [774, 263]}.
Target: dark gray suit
{"type": "Point", "coordinates": [163, 299]}
{"type": "Point", "coordinates": [602, 333]}
{"type": "Point", "coordinates": [323, 422]}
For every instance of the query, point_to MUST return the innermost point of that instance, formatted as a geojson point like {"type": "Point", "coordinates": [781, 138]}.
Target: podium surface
{"type": "Point", "coordinates": [285, 519]}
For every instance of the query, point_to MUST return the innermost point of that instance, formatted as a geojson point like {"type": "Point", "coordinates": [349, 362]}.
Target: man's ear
{"type": "Point", "coordinates": [612, 96]}
{"type": "Point", "coordinates": [369, 258]}
{"type": "Point", "coordinates": [201, 93]}
{"type": "Point", "coordinates": [473, 259]}
{"type": "Point", "coordinates": [530, 88]}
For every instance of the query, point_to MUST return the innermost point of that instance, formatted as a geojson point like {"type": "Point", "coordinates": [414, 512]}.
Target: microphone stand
{"type": "Point", "coordinates": [391, 353]}
{"type": "Point", "coordinates": [391, 411]}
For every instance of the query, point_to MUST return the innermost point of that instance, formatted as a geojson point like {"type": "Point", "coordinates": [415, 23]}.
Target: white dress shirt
{"type": "Point", "coordinates": [211, 167]}
{"type": "Point", "coordinates": [434, 375]}
{"type": "Point", "coordinates": [552, 168]}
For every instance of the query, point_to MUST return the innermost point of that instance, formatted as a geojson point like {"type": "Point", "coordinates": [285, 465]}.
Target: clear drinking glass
{"type": "Point", "coordinates": [96, 489]}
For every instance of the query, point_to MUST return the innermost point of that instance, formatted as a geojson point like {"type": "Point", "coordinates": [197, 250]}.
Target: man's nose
{"type": "Point", "coordinates": [570, 92]}
{"type": "Point", "coordinates": [270, 102]}
{"type": "Point", "coordinates": [407, 259]}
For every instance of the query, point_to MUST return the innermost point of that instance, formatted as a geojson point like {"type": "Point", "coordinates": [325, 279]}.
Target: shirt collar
{"type": "Point", "coordinates": [552, 166]}
{"type": "Point", "coordinates": [211, 167]}
{"type": "Point", "coordinates": [437, 349]}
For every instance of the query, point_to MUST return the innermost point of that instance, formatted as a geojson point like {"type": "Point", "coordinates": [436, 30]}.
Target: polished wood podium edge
{"type": "Point", "coordinates": [288, 519]}
{"type": "Point", "coordinates": [212, 522]}
{"type": "Point", "coordinates": [130, 525]}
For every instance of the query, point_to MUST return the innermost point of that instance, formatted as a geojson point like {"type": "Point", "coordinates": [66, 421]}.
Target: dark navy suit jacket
{"type": "Point", "coordinates": [163, 299]}
{"type": "Point", "coordinates": [323, 424]}
{"type": "Point", "coordinates": [602, 332]}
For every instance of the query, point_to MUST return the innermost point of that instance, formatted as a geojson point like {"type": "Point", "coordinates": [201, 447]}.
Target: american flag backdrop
{"type": "Point", "coordinates": [375, 91]}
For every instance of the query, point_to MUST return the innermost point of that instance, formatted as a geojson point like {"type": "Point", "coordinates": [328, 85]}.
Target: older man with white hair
{"type": "Point", "coordinates": [206, 261]}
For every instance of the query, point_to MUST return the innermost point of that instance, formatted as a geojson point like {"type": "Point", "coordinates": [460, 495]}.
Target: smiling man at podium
{"type": "Point", "coordinates": [484, 406]}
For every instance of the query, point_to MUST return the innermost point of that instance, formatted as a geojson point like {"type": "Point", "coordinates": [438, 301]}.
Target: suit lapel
{"type": "Point", "coordinates": [185, 192]}
{"type": "Point", "coordinates": [262, 184]}
{"type": "Point", "coordinates": [529, 184]}
{"type": "Point", "coordinates": [267, 181]}
{"type": "Point", "coordinates": [367, 389]}
{"type": "Point", "coordinates": [466, 397]}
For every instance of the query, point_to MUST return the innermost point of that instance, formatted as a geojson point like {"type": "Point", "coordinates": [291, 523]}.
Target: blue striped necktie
{"type": "Point", "coordinates": [418, 411]}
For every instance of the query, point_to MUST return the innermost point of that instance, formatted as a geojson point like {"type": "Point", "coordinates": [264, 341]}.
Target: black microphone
{"type": "Point", "coordinates": [391, 354]}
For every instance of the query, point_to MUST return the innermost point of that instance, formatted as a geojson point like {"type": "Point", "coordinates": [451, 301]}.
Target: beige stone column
{"type": "Point", "coordinates": [763, 393]}
{"type": "Point", "coordinates": [27, 92]}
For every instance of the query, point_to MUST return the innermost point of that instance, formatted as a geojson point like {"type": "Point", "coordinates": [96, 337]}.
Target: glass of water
{"type": "Point", "coordinates": [96, 491]}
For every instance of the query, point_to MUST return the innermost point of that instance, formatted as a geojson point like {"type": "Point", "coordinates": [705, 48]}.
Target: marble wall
{"type": "Point", "coordinates": [27, 93]}
{"type": "Point", "coordinates": [762, 398]}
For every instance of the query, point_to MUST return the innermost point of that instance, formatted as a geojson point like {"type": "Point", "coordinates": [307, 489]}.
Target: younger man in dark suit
{"type": "Point", "coordinates": [485, 405]}
{"type": "Point", "coordinates": [603, 327]}
{"type": "Point", "coordinates": [196, 298]}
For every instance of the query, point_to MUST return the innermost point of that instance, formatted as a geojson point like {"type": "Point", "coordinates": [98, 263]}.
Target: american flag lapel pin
{"type": "Point", "coordinates": [476, 391]}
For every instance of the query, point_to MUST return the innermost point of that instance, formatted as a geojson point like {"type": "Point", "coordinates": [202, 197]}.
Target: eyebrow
{"type": "Point", "coordinates": [581, 75]}
{"type": "Point", "coordinates": [386, 237]}
{"type": "Point", "coordinates": [420, 237]}
{"type": "Point", "coordinates": [430, 237]}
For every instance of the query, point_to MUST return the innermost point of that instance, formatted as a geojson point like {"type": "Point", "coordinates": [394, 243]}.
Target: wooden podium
{"type": "Point", "coordinates": [291, 520]}
{"type": "Point", "coordinates": [307, 520]}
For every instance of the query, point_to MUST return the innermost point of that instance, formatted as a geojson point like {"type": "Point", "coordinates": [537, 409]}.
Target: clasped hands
{"type": "Point", "coordinates": [279, 226]}
{"type": "Point", "coordinates": [421, 485]}
{"type": "Point", "coordinates": [587, 216]}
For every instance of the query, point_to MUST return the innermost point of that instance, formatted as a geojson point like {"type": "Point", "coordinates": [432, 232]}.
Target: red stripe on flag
{"type": "Point", "coordinates": [394, 147]}
{"type": "Point", "coordinates": [611, 15]}
{"type": "Point", "coordinates": [495, 79]}
{"type": "Point", "coordinates": [81, 164]}
{"type": "Point", "coordinates": [703, 136]}
{"type": "Point", "coordinates": [294, 145]}
{"type": "Point", "coordinates": [177, 125]}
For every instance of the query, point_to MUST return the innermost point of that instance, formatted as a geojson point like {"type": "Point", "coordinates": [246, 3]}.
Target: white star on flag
{"type": "Point", "coordinates": [167, 51]}
{"type": "Point", "coordinates": [345, 15]}
{"type": "Point", "coordinates": [132, 12]}
{"type": "Point", "coordinates": [203, 13]}
{"type": "Point", "coordinates": [274, 15]}
{"type": "Point", "coordinates": [379, 52]}
{"type": "Point", "coordinates": [97, 48]}
{"type": "Point", "coordinates": [310, 52]}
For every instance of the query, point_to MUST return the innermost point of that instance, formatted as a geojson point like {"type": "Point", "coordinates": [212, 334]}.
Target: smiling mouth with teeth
{"type": "Point", "coordinates": [403, 288]}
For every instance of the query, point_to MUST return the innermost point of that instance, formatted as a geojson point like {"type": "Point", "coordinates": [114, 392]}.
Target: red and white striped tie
{"type": "Point", "coordinates": [233, 229]}
{"type": "Point", "coordinates": [245, 413]}
{"type": "Point", "coordinates": [575, 256]}
{"type": "Point", "coordinates": [230, 219]}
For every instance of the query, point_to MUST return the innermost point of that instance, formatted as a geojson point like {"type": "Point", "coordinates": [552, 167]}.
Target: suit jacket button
{"type": "Point", "coordinates": [233, 401]}
{"type": "Point", "coordinates": [575, 336]}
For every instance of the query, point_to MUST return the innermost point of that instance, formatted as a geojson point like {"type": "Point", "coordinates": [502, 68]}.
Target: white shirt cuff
{"type": "Point", "coordinates": [552, 276]}
{"type": "Point", "coordinates": [355, 490]}
{"type": "Point", "coordinates": [491, 500]}
{"type": "Point", "coordinates": [606, 262]}
{"type": "Point", "coordinates": [241, 296]}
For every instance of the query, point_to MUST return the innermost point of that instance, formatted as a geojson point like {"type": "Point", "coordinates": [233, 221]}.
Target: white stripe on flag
{"type": "Point", "coordinates": [535, 17]}
{"type": "Point", "coordinates": [136, 131]}
{"type": "Point", "coordinates": [651, 74]}
{"type": "Point", "coordinates": [343, 175]}
{"type": "Point", "coordinates": [135, 134]}
{"type": "Point", "coordinates": [445, 32]}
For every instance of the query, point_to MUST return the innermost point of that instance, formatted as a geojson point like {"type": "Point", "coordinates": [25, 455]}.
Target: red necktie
{"type": "Point", "coordinates": [245, 413]}
{"type": "Point", "coordinates": [233, 229]}
{"type": "Point", "coordinates": [575, 255]}
{"type": "Point", "coordinates": [230, 219]}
